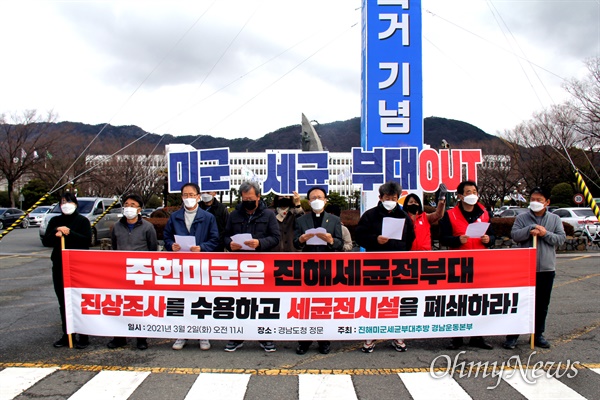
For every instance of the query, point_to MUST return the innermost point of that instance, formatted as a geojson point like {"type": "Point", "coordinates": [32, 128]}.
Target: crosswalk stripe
{"type": "Point", "coordinates": [329, 387]}
{"type": "Point", "coordinates": [542, 388]}
{"type": "Point", "coordinates": [219, 386]}
{"type": "Point", "coordinates": [110, 385]}
{"type": "Point", "coordinates": [14, 381]}
{"type": "Point", "coordinates": [596, 370]}
{"type": "Point", "coordinates": [422, 385]}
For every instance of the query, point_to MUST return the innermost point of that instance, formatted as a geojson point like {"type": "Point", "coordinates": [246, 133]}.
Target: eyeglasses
{"type": "Point", "coordinates": [313, 198]}
{"type": "Point", "coordinates": [188, 195]}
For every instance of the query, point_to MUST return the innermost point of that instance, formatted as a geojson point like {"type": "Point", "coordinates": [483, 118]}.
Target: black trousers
{"type": "Point", "coordinates": [59, 289]}
{"type": "Point", "coordinates": [543, 290]}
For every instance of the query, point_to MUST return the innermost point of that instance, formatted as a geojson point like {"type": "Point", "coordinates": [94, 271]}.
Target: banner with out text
{"type": "Point", "coordinates": [297, 296]}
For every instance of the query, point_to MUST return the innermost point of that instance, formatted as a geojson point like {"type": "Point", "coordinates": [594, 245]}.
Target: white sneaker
{"type": "Point", "coordinates": [179, 343]}
{"type": "Point", "coordinates": [204, 344]}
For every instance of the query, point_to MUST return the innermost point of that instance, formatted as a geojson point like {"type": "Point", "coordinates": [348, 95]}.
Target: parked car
{"type": "Point", "coordinates": [91, 208]}
{"type": "Point", "coordinates": [147, 211]}
{"type": "Point", "coordinates": [36, 217]}
{"type": "Point", "coordinates": [577, 217]}
{"type": "Point", "coordinates": [9, 215]}
{"type": "Point", "coordinates": [497, 211]}
{"type": "Point", "coordinates": [512, 212]}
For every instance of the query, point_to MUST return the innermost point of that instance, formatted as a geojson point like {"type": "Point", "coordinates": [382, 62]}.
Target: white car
{"type": "Point", "coordinates": [36, 217]}
{"type": "Point", "coordinates": [577, 217]}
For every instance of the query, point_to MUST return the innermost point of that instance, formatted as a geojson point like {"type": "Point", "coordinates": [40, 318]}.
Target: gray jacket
{"type": "Point", "coordinates": [141, 238]}
{"type": "Point", "coordinates": [546, 245]}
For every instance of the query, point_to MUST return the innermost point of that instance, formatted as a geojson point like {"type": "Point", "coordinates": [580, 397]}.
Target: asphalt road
{"type": "Point", "coordinates": [29, 323]}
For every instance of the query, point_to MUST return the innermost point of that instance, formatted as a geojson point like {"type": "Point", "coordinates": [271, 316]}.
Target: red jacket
{"type": "Point", "coordinates": [422, 233]}
{"type": "Point", "coordinates": [460, 224]}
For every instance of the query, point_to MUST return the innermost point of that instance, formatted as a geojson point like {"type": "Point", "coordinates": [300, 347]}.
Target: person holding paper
{"type": "Point", "coordinates": [192, 221]}
{"type": "Point", "coordinates": [134, 233]}
{"type": "Point", "coordinates": [219, 210]}
{"type": "Point", "coordinates": [318, 231]}
{"type": "Point", "coordinates": [453, 228]}
{"type": "Point", "coordinates": [251, 217]}
{"type": "Point", "coordinates": [385, 227]}
{"type": "Point", "coordinates": [549, 230]}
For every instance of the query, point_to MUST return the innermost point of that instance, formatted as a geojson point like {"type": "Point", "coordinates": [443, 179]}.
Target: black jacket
{"type": "Point", "coordinates": [332, 225]}
{"type": "Point", "coordinates": [262, 225]}
{"type": "Point", "coordinates": [219, 210]}
{"type": "Point", "coordinates": [370, 227]}
{"type": "Point", "coordinates": [79, 237]}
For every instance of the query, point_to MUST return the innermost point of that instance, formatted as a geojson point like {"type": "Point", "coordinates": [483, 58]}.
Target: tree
{"type": "Point", "coordinates": [338, 200]}
{"type": "Point", "coordinates": [24, 142]}
{"type": "Point", "coordinates": [586, 100]}
{"type": "Point", "coordinates": [562, 194]}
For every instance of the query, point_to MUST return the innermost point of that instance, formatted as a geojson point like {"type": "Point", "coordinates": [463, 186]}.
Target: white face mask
{"type": "Point", "coordinates": [471, 199]}
{"type": "Point", "coordinates": [317, 205]}
{"type": "Point", "coordinates": [206, 197]}
{"type": "Point", "coordinates": [190, 202]}
{"type": "Point", "coordinates": [130, 212]}
{"type": "Point", "coordinates": [536, 206]}
{"type": "Point", "coordinates": [389, 204]}
{"type": "Point", "coordinates": [68, 208]}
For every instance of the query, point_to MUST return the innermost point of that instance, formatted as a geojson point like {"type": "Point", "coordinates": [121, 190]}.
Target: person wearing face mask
{"type": "Point", "coordinates": [422, 221]}
{"type": "Point", "coordinates": [548, 229]}
{"type": "Point", "coordinates": [210, 203]}
{"type": "Point", "coordinates": [368, 235]}
{"type": "Point", "coordinates": [453, 227]}
{"type": "Point", "coordinates": [332, 240]}
{"type": "Point", "coordinates": [133, 233]}
{"type": "Point", "coordinates": [191, 220]}
{"type": "Point", "coordinates": [287, 209]}
{"type": "Point", "coordinates": [77, 231]}
{"type": "Point", "coordinates": [252, 216]}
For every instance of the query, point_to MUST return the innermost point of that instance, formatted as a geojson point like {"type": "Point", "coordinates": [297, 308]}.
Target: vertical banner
{"type": "Point", "coordinates": [392, 84]}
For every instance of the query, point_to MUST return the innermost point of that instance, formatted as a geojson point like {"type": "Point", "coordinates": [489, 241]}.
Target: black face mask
{"type": "Point", "coordinates": [249, 204]}
{"type": "Point", "coordinates": [412, 208]}
{"type": "Point", "coordinates": [284, 202]}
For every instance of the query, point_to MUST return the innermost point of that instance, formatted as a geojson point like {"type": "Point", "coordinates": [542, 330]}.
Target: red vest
{"type": "Point", "coordinates": [459, 227]}
{"type": "Point", "coordinates": [422, 233]}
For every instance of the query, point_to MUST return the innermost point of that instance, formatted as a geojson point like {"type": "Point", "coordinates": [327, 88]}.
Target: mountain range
{"type": "Point", "coordinates": [338, 136]}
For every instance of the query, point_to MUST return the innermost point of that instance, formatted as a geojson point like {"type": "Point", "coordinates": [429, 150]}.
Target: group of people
{"type": "Point", "coordinates": [286, 227]}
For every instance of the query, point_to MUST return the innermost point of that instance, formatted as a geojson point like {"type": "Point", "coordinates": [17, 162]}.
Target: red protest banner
{"type": "Point", "coordinates": [290, 296]}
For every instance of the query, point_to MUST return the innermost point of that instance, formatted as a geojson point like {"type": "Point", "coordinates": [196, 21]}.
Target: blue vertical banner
{"type": "Point", "coordinates": [392, 84]}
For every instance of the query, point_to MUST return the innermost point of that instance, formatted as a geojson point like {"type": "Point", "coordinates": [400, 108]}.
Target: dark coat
{"type": "Point", "coordinates": [332, 225]}
{"type": "Point", "coordinates": [79, 238]}
{"type": "Point", "coordinates": [141, 238]}
{"type": "Point", "coordinates": [262, 225]}
{"type": "Point", "coordinates": [287, 229]}
{"type": "Point", "coordinates": [370, 227]}
{"type": "Point", "coordinates": [221, 214]}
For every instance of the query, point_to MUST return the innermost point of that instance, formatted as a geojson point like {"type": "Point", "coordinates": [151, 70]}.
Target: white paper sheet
{"type": "Point", "coordinates": [477, 229]}
{"type": "Point", "coordinates": [392, 228]}
{"type": "Point", "coordinates": [240, 238]}
{"type": "Point", "coordinates": [186, 242]}
{"type": "Point", "coordinates": [315, 240]}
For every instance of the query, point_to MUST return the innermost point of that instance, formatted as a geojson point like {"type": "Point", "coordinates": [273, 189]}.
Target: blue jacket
{"type": "Point", "coordinates": [204, 229]}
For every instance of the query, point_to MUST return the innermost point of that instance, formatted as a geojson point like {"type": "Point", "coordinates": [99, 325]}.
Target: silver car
{"type": "Point", "coordinates": [577, 217]}
{"type": "Point", "coordinates": [36, 217]}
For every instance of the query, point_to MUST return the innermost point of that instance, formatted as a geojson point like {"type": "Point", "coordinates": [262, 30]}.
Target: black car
{"type": "Point", "coordinates": [10, 215]}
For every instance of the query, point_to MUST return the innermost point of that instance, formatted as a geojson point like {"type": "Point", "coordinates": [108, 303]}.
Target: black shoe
{"type": "Point", "coordinates": [511, 342]}
{"type": "Point", "coordinates": [82, 342]}
{"type": "Point", "coordinates": [142, 344]}
{"type": "Point", "coordinates": [62, 342]}
{"type": "Point", "coordinates": [478, 341]}
{"type": "Point", "coordinates": [540, 341]}
{"type": "Point", "coordinates": [455, 344]}
{"type": "Point", "coordinates": [324, 348]}
{"type": "Point", "coordinates": [117, 342]}
{"type": "Point", "coordinates": [301, 349]}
